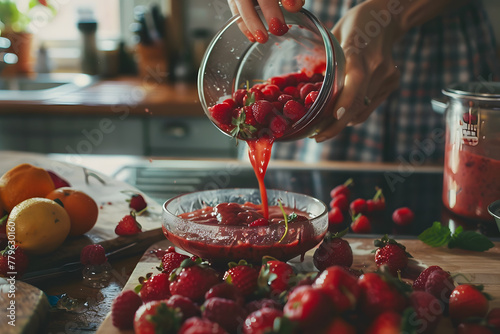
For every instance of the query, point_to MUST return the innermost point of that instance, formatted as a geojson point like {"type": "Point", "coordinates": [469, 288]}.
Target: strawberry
{"type": "Point", "coordinates": [335, 219]}
{"type": "Point", "coordinates": [155, 287]}
{"type": "Point", "coordinates": [156, 317]}
{"type": "Point", "coordinates": [13, 262]}
{"type": "Point", "coordinates": [258, 304]}
{"type": "Point", "coordinates": [278, 125]}
{"type": "Point", "coordinates": [305, 90]}
{"type": "Point", "coordinates": [261, 321]}
{"type": "Point", "coordinates": [227, 291]}
{"type": "Point", "coordinates": [226, 312]}
{"type": "Point", "coordinates": [193, 279]}
{"type": "Point", "coordinates": [185, 305]}
{"type": "Point", "coordinates": [427, 311]}
{"type": "Point", "coordinates": [361, 224]}
{"type": "Point", "coordinates": [271, 92]}
{"type": "Point", "coordinates": [340, 201]}
{"type": "Point", "coordinates": [342, 189]}
{"type": "Point", "coordinates": [377, 203]}
{"type": "Point", "coordinates": [381, 293]}
{"type": "Point", "coordinates": [358, 206]}
{"type": "Point", "coordinates": [274, 276]}
{"type": "Point", "coordinates": [93, 255]}
{"type": "Point", "coordinates": [309, 306]}
{"type": "Point", "coordinates": [339, 326]}
{"type": "Point", "coordinates": [392, 254]}
{"type": "Point", "coordinates": [128, 225]}
{"type": "Point", "coordinates": [340, 286]}
{"type": "Point", "coordinates": [294, 110]}
{"type": "Point", "coordinates": [243, 276]}
{"type": "Point", "coordinates": [59, 182]}
{"type": "Point", "coordinates": [171, 260]}
{"type": "Point", "coordinates": [467, 301]}
{"type": "Point", "coordinates": [262, 111]}
{"type": "Point", "coordinates": [310, 98]}
{"type": "Point", "coordinates": [222, 113]}
{"type": "Point", "coordinates": [419, 282]}
{"type": "Point", "coordinates": [403, 216]}
{"type": "Point", "coordinates": [284, 98]}
{"type": "Point", "coordinates": [388, 322]}
{"type": "Point", "coordinates": [196, 325]}
{"type": "Point", "coordinates": [123, 309]}
{"type": "Point", "coordinates": [238, 96]}
{"type": "Point", "coordinates": [137, 203]}
{"type": "Point", "coordinates": [440, 284]}
{"type": "Point", "coordinates": [333, 250]}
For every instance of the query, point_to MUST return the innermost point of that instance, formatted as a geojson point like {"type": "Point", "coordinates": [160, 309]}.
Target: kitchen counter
{"type": "Point", "coordinates": [133, 95]}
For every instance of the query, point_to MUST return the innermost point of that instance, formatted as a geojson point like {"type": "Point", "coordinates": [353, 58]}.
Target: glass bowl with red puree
{"type": "Point", "coordinates": [284, 88]}
{"type": "Point", "coordinates": [225, 225]}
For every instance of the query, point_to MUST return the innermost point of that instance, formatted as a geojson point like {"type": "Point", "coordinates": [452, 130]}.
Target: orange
{"type": "Point", "coordinates": [22, 182]}
{"type": "Point", "coordinates": [81, 208]}
{"type": "Point", "coordinates": [40, 225]}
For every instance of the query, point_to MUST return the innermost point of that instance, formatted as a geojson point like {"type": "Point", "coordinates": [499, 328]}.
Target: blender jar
{"type": "Point", "coordinates": [472, 153]}
{"type": "Point", "coordinates": [232, 62]}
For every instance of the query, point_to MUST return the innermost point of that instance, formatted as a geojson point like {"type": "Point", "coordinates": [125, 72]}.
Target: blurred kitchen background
{"type": "Point", "coordinates": [111, 77]}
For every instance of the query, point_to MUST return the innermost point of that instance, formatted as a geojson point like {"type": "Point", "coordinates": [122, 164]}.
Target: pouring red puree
{"type": "Point", "coordinates": [471, 183]}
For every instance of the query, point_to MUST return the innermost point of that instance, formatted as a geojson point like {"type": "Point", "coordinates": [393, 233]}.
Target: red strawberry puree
{"type": "Point", "coordinates": [471, 183]}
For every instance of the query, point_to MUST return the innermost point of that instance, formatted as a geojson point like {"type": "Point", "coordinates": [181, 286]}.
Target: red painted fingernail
{"type": "Point", "coordinates": [260, 36]}
{"type": "Point", "coordinates": [250, 36]}
{"type": "Point", "coordinates": [276, 27]}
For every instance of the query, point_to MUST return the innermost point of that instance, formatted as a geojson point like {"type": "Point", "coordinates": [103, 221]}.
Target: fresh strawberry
{"type": "Point", "coordinates": [284, 98]}
{"type": "Point", "coordinates": [227, 291]}
{"type": "Point", "coordinates": [278, 125]}
{"type": "Point", "coordinates": [238, 96]}
{"type": "Point", "coordinates": [381, 293]}
{"type": "Point", "coordinates": [440, 284]}
{"type": "Point", "coordinates": [271, 92]}
{"type": "Point", "coordinates": [377, 203]}
{"type": "Point", "coordinates": [155, 287]}
{"type": "Point", "coordinates": [305, 90]}
{"type": "Point", "coordinates": [333, 250]}
{"type": "Point", "coordinates": [361, 224]}
{"type": "Point", "coordinates": [226, 312]}
{"type": "Point", "coordinates": [185, 305]}
{"type": "Point", "coordinates": [308, 306]}
{"type": "Point", "coordinates": [275, 276]}
{"type": "Point", "coordinates": [294, 110]}
{"type": "Point", "coordinates": [258, 304]}
{"type": "Point", "coordinates": [242, 275]}
{"type": "Point", "coordinates": [93, 255]}
{"type": "Point", "coordinates": [467, 301]}
{"type": "Point", "coordinates": [339, 326]}
{"type": "Point", "coordinates": [261, 321]}
{"type": "Point", "coordinates": [172, 260]}
{"type": "Point", "coordinates": [342, 189]}
{"type": "Point", "coordinates": [137, 203]}
{"type": "Point", "coordinates": [310, 98]}
{"type": "Point", "coordinates": [403, 216]}
{"type": "Point", "coordinates": [59, 182]}
{"type": "Point", "coordinates": [388, 322]}
{"type": "Point", "coordinates": [427, 311]}
{"type": "Point", "coordinates": [221, 113]}
{"type": "Point", "coordinates": [392, 254]}
{"type": "Point", "coordinates": [340, 201]}
{"type": "Point", "coordinates": [156, 317]}
{"type": "Point", "coordinates": [128, 225]}
{"type": "Point", "coordinates": [196, 325]}
{"type": "Point", "coordinates": [335, 219]}
{"type": "Point", "coordinates": [340, 286]}
{"type": "Point", "coordinates": [193, 279]}
{"type": "Point", "coordinates": [358, 206]}
{"type": "Point", "coordinates": [123, 309]}
{"type": "Point", "coordinates": [419, 282]}
{"type": "Point", "coordinates": [279, 81]}
{"type": "Point", "coordinates": [262, 111]}
{"type": "Point", "coordinates": [13, 262]}
{"type": "Point", "coordinates": [473, 328]}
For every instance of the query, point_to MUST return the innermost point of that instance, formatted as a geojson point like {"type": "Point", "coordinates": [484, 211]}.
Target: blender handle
{"type": "Point", "coordinates": [439, 104]}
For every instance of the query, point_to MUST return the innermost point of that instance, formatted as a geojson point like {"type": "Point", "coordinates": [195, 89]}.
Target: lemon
{"type": "Point", "coordinates": [40, 225]}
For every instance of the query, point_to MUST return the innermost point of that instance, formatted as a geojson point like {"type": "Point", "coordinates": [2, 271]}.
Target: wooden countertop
{"type": "Point", "coordinates": [137, 96]}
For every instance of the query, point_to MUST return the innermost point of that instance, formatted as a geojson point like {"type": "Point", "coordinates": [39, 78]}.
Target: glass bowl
{"type": "Point", "coordinates": [232, 62]}
{"type": "Point", "coordinates": [225, 243]}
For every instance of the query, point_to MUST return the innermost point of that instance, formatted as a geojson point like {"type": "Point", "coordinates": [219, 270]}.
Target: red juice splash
{"type": "Point", "coordinates": [259, 152]}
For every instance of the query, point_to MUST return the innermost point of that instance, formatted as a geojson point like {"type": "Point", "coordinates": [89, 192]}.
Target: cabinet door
{"type": "Point", "coordinates": [188, 137]}
{"type": "Point", "coordinates": [75, 135]}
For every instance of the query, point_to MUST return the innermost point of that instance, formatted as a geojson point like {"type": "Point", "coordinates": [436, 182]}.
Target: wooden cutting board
{"type": "Point", "coordinates": [475, 267]}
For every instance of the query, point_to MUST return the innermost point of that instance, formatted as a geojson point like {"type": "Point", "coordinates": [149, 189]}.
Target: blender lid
{"type": "Point", "coordinates": [484, 90]}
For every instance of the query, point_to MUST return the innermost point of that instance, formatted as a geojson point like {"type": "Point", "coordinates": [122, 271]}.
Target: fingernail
{"type": "Point", "coordinates": [276, 27]}
{"type": "Point", "coordinates": [250, 36]}
{"type": "Point", "coordinates": [260, 36]}
{"type": "Point", "coordinates": [340, 113]}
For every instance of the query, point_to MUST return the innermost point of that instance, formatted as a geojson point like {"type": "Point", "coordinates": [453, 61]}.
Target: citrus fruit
{"type": "Point", "coordinates": [81, 208]}
{"type": "Point", "coordinates": [40, 225]}
{"type": "Point", "coordinates": [22, 182]}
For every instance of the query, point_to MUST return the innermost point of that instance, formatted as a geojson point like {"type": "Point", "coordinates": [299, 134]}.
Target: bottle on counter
{"type": "Point", "coordinates": [87, 25]}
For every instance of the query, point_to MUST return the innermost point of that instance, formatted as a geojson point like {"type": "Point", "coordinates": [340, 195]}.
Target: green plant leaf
{"type": "Point", "coordinates": [436, 236]}
{"type": "Point", "coordinates": [470, 240]}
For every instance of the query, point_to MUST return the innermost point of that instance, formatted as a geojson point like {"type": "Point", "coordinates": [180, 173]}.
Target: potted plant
{"type": "Point", "coordinates": [18, 21]}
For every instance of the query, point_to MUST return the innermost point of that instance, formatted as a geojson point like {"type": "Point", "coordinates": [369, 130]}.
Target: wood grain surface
{"type": "Point", "coordinates": [466, 266]}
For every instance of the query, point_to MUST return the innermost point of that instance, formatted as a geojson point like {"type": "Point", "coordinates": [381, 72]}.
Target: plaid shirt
{"type": "Point", "coordinates": [457, 46]}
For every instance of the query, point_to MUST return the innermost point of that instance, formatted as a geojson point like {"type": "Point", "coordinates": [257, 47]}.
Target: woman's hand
{"type": "Point", "coordinates": [253, 27]}
{"type": "Point", "coordinates": [371, 74]}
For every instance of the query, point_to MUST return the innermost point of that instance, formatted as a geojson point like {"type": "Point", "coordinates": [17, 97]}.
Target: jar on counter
{"type": "Point", "coordinates": [232, 62]}
{"type": "Point", "coordinates": [472, 154]}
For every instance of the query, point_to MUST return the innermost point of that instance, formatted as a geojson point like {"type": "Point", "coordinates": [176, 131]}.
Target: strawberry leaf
{"type": "Point", "coordinates": [436, 236]}
{"type": "Point", "coordinates": [250, 99]}
{"type": "Point", "coordinates": [470, 240]}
